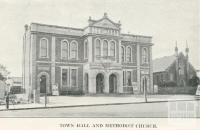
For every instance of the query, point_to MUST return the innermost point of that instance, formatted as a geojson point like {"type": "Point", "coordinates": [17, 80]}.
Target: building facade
{"type": "Point", "coordinates": [174, 70]}
{"type": "Point", "coordinates": [95, 59]}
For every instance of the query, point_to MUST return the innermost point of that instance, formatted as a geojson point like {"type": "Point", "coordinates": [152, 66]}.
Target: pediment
{"type": "Point", "coordinates": [106, 23]}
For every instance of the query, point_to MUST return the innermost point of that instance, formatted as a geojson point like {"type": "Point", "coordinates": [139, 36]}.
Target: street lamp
{"type": "Point", "coordinates": [145, 89]}
{"type": "Point", "coordinates": [45, 102]}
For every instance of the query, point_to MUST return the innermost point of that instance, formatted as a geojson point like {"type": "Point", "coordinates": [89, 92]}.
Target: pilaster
{"type": "Point", "coordinates": [106, 85]}
{"type": "Point", "coordinates": [151, 70]}
{"type": "Point", "coordinates": [138, 65]}
{"type": "Point", "coordinates": [119, 50]}
{"type": "Point", "coordinates": [120, 82]}
{"type": "Point", "coordinates": [53, 49]}
{"type": "Point", "coordinates": [90, 51]}
{"type": "Point", "coordinates": [92, 83]}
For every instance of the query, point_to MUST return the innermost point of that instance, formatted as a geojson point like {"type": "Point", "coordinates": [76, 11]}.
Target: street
{"type": "Point", "coordinates": [186, 109]}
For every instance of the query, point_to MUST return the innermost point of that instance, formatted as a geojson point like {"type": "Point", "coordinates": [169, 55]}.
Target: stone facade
{"type": "Point", "coordinates": [95, 59]}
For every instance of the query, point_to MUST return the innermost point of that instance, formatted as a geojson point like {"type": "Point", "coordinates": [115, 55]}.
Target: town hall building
{"type": "Point", "coordinates": [96, 59]}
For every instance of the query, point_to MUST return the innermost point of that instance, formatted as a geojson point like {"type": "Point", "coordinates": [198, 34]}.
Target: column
{"type": "Point", "coordinates": [119, 50]}
{"type": "Point", "coordinates": [33, 82]}
{"type": "Point", "coordinates": [92, 83]}
{"type": "Point", "coordinates": [151, 70]}
{"type": "Point", "coordinates": [138, 65]}
{"type": "Point", "coordinates": [53, 48]}
{"type": "Point", "coordinates": [106, 85]}
{"type": "Point", "coordinates": [90, 52]}
{"type": "Point", "coordinates": [120, 82]}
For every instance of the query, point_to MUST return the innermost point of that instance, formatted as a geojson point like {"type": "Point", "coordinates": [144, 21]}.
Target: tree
{"type": "Point", "coordinates": [194, 81]}
{"type": "Point", "coordinates": [3, 72]}
{"type": "Point", "coordinates": [2, 77]}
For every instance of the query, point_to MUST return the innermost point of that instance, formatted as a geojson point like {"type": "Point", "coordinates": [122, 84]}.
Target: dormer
{"type": "Point", "coordinates": [103, 26]}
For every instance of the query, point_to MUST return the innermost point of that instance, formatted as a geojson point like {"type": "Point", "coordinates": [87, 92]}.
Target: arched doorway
{"type": "Point", "coordinates": [182, 84]}
{"type": "Point", "coordinates": [86, 83]}
{"type": "Point", "coordinates": [99, 83]}
{"type": "Point", "coordinates": [112, 83]}
{"type": "Point", "coordinates": [43, 84]}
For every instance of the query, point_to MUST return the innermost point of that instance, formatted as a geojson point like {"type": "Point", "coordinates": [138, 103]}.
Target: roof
{"type": "Point", "coordinates": [161, 64]}
{"type": "Point", "coordinates": [38, 27]}
{"type": "Point", "coordinates": [136, 38]}
{"type": "Point", "coordinates": [104, 22]}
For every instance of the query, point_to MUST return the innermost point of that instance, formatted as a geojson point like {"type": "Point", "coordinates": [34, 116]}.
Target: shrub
{"type": "Point", "coordinates": [167, 84]}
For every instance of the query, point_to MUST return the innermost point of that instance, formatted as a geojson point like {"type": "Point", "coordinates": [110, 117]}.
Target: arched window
{"type": "Point", "coordinates": [73, 50]}
{"type": "Point", "coordinates": [98, 48]}
{"type": "Point", "coordinates": [112, 48]}
{"type": "Point", "coordinates": [44, 48]}
{"type": "Point", "coordinates": [128, 58]}
{"type": "Point", "coordinates": [123, 54]}
{"type": "Point", "coordinates": [64, 50]}
{"type": "Point", "coordinates": [86, 49]}
{"type": "Point", "coordinates": [144, 55]}
{"type": "Point", "coordinates": [105, 48]}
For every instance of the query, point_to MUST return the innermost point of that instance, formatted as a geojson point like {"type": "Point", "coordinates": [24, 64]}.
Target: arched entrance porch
{"type": "Point", "coordinates": [99, 83]}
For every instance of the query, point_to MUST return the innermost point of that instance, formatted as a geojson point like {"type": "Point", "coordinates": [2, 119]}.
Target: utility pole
{"type": "Point", "coordinates": [145, 89]}
{"type": "Point", "coordinates": [45, 102]}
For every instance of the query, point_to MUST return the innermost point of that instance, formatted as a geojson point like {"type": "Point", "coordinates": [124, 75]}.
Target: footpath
{"type": "Point", "coordinates": [81, 101]}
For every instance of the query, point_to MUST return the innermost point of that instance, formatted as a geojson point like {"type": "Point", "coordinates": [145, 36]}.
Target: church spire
{"type": "Point", "coordinates": [186, 49]}
{"type": "Point", "coordinates": [176, 49]}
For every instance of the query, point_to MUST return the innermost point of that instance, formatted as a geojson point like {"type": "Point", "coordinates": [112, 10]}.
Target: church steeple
{"type": "Point", "coordinates": [186, 50]}
{"type": "Point", "coordinates": [176, 49]}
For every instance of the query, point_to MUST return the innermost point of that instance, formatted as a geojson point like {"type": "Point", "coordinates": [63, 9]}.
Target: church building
{"type": "Point", "coordinates": [96, 59]}
{"type": "Point", "coordinates": [174, 70]}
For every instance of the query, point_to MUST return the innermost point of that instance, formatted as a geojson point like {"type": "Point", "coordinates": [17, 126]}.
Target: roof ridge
{"type": "Point", "coordinates": [57, 26]}
{"type": "Point", "coordinates": [164, 57]}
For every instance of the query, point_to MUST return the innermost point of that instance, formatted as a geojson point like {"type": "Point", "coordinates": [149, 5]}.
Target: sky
{"type": "Point", "coordinates": [167, 21]}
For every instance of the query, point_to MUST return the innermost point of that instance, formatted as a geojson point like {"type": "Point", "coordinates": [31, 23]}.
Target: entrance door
{"type": "Point", "coordinates": [99, 83]}
{"type": "Point", "coordinates": [112, 83]}
{"type": "Point", "coordinates": [43, 84]}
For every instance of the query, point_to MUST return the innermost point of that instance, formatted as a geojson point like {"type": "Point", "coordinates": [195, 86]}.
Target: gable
{"type": "Point", "coordinates": [105, 23]}
{"type": "Point", "coordinates": [161, 64]}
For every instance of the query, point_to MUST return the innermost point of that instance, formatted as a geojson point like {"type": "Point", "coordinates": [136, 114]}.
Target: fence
{"type": "Point", "coordinates": [177, 90]}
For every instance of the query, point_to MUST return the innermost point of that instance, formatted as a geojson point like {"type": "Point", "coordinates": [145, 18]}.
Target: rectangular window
{"type": "Point", "coordinates": [128, 78]}
{"type": "Point", "coordinates": [124, 78]}
{"type": "Point", "coordinates": [44, 48]}
{"type": "Point", "coordinates": [73, 78]}
{"type": "Point", "coordinates": [64, 77]}
{"type": "Point", "coordinates": [134, 76]}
